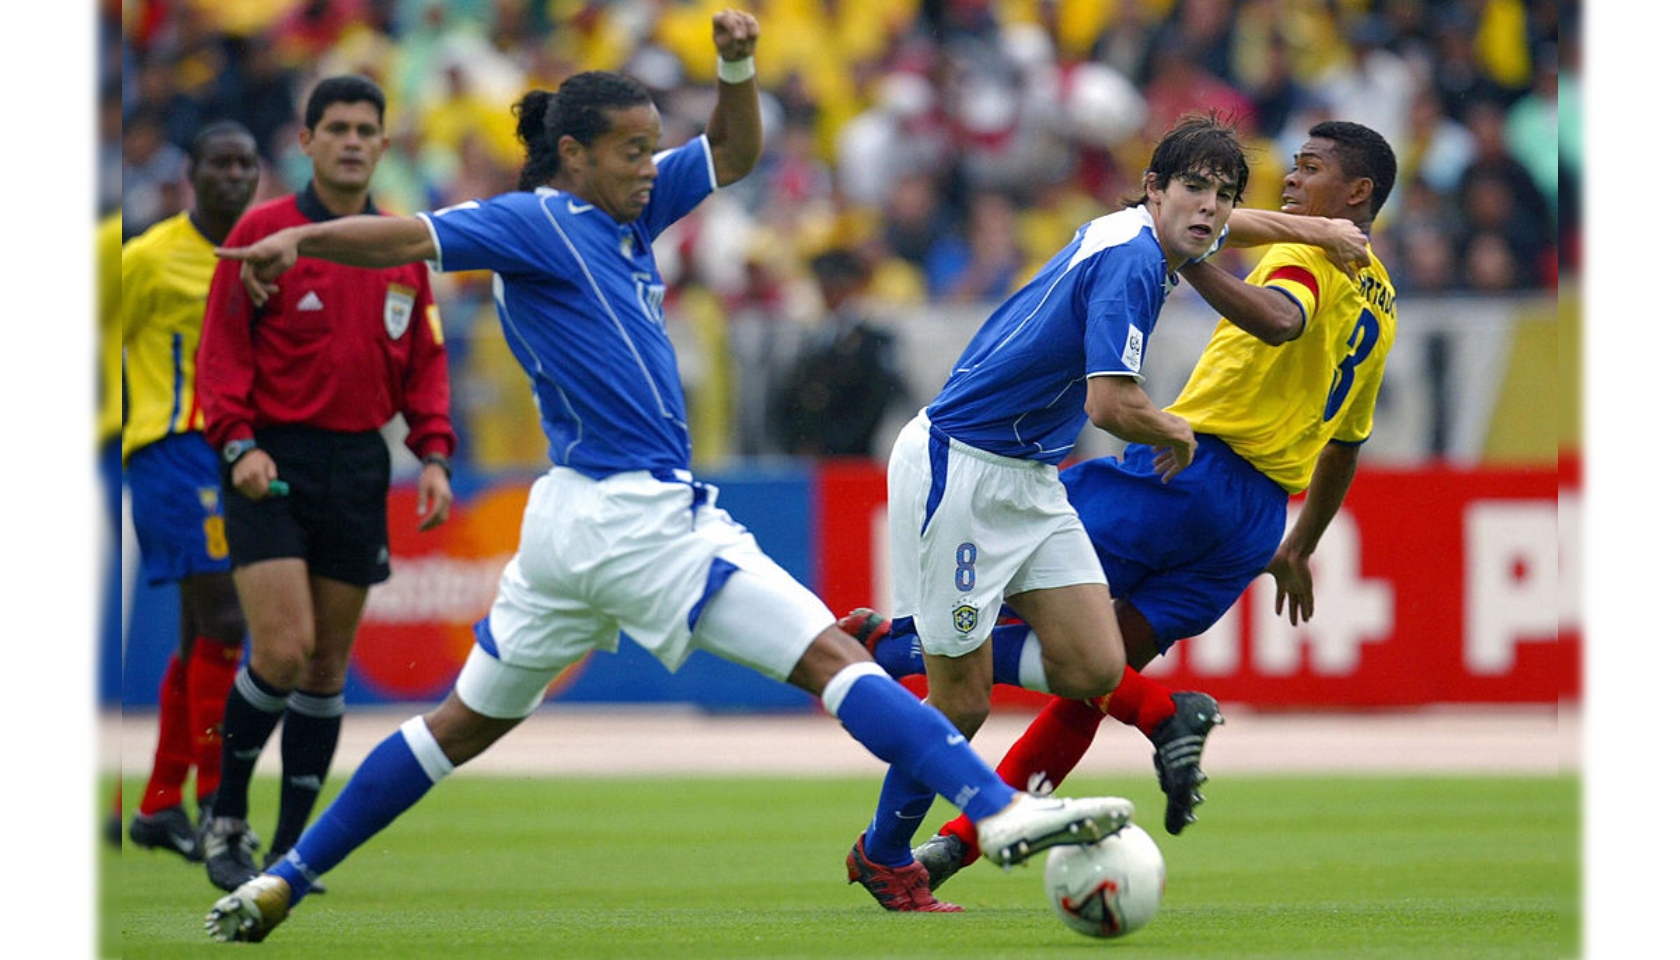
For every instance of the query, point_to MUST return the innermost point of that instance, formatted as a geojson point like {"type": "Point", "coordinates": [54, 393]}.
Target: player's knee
{"type": "Point", "coordinates": [967, 712]}
{"type": "Point", "coordinates": [1090, 676]}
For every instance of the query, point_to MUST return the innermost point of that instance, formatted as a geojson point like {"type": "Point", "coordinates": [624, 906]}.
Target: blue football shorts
{"type": "Point", "coordinates": [176, 489]}
{"type": "Point", "coordinates": [1180, 552]}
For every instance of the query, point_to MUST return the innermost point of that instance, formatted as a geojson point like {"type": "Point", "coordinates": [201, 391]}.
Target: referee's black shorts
{"type": "Point", "coordinates": [334, 516]}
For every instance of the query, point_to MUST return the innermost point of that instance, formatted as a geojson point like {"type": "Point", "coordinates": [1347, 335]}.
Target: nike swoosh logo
{"type": "Point", "coordinates": [572, 206]}
{"type": "Point", "coordinates": [953, 738]}
{"type": "Point", "coordinates": [182, 844]}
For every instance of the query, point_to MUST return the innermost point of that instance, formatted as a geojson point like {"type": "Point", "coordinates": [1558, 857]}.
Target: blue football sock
{"type": "Point", "coordinates": [1008, 641]}
{"type": "Point", "coordinates": [391, 779]}
{"type": "Point", "coordinates": [903, 806]}
{"type": "Point", "coordinates": [900, 652]}
{"type": "Point", "coordinates": [917, 740]}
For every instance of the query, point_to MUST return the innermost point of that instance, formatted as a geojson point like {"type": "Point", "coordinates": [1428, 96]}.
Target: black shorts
{"type": "Point", "coordinates": [334, 516]}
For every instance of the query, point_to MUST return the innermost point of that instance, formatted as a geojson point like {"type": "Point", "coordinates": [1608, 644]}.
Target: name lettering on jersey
{"type": "Point", "coordinates": [1376, 293]}
{"type": "Point", "coordinates": [652, 296]}
{"type": "Point", "coordinates": [1133, 355]}
{"type": "Point", "coordinates": [399, 309]}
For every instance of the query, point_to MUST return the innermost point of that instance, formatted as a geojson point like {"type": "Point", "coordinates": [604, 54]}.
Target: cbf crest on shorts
{"type": "Point", "coordinates": [965, 617]}
{"type": "Point", "coordinates": [399, 309]}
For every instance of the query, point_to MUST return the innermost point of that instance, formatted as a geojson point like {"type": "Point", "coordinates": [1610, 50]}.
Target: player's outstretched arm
{"type": "Point", "coordinates": [1270, 315]}
{"type": "Point", "coordinates": [735, 130]}
{"type": "Point", "coordinates": [1342, 240]}
{"type": "Point", "coordinates": [360, 241]}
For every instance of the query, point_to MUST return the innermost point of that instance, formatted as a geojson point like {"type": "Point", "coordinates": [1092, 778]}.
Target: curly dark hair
{"type": "Point", "coordinates": [578, 110]}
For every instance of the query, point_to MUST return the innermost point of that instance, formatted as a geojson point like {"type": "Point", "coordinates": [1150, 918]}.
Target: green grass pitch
{"type": "Point", "coordinates": [502, 868]}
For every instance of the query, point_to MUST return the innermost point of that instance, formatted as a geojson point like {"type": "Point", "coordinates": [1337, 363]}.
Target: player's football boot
{"type": "Point", "coordinates": [229, 852]}
{"type": "Point", "coordinates": [943, 854]}
{"type": "Point", "coordinates": [1178, 755]}
{"type": "Point", "coordinates": [866, 626]}
{"type": "Point", "coordinates": [1031, 824]}
{"type": "Point", "coordinates": [902, 889]}
{"type": "Point", "coordinates": [168, 829]}
{"type": "Point", "coordinates": [250, 912]}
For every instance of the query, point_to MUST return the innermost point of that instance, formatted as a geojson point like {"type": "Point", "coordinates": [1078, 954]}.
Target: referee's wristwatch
{"type": "Point", "coordinates": [234, 449]}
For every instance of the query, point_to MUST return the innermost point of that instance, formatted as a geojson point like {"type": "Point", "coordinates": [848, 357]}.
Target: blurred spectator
{"type": "Point", "coordinates": [1455, 73]}
{"type": "Point", "coordinates": [266, 95]}
{"type": "Point", "coordinates": [1491, 265]}
{"type": "Point", "coordinates": [152, 168]}
{"type": "Point", "coordinates": [1426, 263]}
{"type": "Point", "coordinates": [1498, 194]}
{"type": "Point", "coordinates": [916, 217]}
{"type": "Point", "coordinates": [1531, 128]}
{"type": "Point", "coordinates": [1571, 150]}
{"type": "Point", "coordinates": [1202, 30]}
{"type": "Point", "coordinates": [109, 169]}
{"type": "Point", "coordinates": [1179, 85]}
{"type": "Point", "coordinates": [833, 397]}
{"type": "Point", "coordinates": [1276, 91]}
{"type": "Point", "coordinates": [982, 263]}
{"type": "Point", "coordinates": [1374, 87]}
{"type": "Point", "coordinates": [1438, 148]}
{"type": "Point", "coordinates": [899, 135]}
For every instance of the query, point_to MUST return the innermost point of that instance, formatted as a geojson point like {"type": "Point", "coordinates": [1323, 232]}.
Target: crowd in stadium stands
{"type": "Point", "coordinates": [950, 145]}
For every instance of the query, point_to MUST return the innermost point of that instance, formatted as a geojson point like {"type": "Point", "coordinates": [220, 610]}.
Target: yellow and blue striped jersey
{"type": "Point", "coordinates": [107, 264]}
{"type": "Point", "coordinates": [165, 279]}
{"type": "Point", "coordinates": [1279, 406]}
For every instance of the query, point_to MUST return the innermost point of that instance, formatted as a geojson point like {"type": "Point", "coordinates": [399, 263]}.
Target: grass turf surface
{"type": "Point", "coordinates": [1284, 867]}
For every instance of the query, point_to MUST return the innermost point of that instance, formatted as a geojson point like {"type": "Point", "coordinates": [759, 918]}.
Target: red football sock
{"type": "Point", "coordinates": [1139, 702]}
{"type": "Point", "coordinates": [210, 676]}
{"type": "Point", "coordinates": [173, 756]}
{"type": "Point", "coordinates": [1041, 759]}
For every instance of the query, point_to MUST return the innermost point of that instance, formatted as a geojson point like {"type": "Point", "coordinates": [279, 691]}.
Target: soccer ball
{"type": "Point", "coordinates": [1108, 888]}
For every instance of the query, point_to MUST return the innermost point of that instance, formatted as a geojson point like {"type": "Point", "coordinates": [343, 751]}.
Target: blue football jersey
{"type": "Point", "coordinates": [1018, 390]}
{"type": "Point", "coordinates": [581, 304]}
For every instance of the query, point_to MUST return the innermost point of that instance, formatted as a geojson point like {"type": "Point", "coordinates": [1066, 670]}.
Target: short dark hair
{"type": "Point", "coordinates": [1199, 144]}
{"type": "Point", "coordinates": [577, 110]}
{"type": "Point", "coordinates": [344, 89]}
{"type": "Point", "coordinates": [208, 132]}
{"type": "Point", "coordinates": [1362, 152]}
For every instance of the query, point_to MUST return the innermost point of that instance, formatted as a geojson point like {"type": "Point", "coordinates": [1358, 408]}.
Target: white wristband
{"type": "Point", "coordinates": [736, 71]}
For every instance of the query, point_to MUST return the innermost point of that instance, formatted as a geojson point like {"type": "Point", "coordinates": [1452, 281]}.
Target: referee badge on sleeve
{"type": "Point", "coordinates": [399, 309]}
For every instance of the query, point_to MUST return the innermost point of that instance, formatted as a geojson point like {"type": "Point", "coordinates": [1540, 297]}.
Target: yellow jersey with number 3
{"type": "Point", "coordinates": [1278, 406]}
{"type": "Point", "coordinates": [165, 281]}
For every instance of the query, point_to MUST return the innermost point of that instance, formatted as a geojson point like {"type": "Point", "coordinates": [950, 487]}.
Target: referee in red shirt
{"type": "Point", "coordinates": [294, 395]}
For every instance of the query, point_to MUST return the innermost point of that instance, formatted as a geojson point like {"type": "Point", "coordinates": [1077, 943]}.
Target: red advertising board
{"type": "Point", "coordinates": [1434, 585]}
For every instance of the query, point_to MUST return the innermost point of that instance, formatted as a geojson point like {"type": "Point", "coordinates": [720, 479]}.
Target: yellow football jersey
{"type": "Point", "coordinates": [165, 279]}
{"type": "Point", "coordinates": [107, 257]}
{"type": "Point", "coordinates": [1279, 406]}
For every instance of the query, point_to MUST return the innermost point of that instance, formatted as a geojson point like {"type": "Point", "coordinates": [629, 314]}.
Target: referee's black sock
{"type": "Point", "coordinates": [307, 744]}
{"type": "Point", "coordinates": [254, 706]}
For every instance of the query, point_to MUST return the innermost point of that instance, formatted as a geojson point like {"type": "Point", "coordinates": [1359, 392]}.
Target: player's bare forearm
{"type": "Point", "coordinates": [1332, 477]}
{"type": "Point", "coordinates": [1342, 240]}
{"type": "Point", "coordinates": [1267, 314]}
{"type": "Point", "coordinates": [1119, 405]}
{"type": "Point", "coordinates": [735, 130]}
{"type": "Point", "coordinates": [367, 241]}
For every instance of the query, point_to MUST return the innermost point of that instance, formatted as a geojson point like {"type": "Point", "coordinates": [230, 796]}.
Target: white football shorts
{"type": "Point", "coordinates": [969, 528]}
{"type": "Point", "coordinates": [654, 558]}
